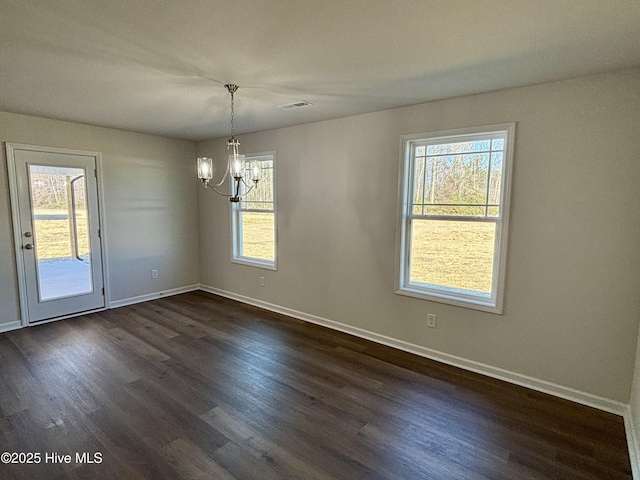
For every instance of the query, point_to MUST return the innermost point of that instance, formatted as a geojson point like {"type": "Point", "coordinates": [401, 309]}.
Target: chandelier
{"type": "Point", "coordinates": [236, 164]}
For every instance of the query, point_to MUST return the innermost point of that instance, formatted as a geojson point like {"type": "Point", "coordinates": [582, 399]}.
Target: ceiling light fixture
{"type": "Point", "coordinates": [236, 165]}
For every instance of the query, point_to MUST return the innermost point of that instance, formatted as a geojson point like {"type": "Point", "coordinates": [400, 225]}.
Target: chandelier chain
{"type": "Point", "coordinates": [232, 117]}
{"type": "Point", "coordinates": [231, 88]}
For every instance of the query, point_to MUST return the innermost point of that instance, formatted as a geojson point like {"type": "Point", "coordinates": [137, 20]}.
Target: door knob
{"type": "Point", "coordinates": [29, 246]}
{"type": "Point", "coordinates": [27, 234]}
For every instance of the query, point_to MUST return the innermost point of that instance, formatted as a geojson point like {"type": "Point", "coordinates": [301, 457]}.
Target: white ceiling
{"type": "Point", "coordinates": [159, 66]}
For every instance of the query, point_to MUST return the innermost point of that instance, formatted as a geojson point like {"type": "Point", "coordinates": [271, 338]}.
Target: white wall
{"type": "Point", "coordinates": [150, 206]}
{"type": "Point", "coordinates": [571, 301]}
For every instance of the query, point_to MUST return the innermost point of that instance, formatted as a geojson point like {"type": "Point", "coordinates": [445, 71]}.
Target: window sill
{"type": "Point", "coordinates": [254, 262]}
{"type": "Point", "coordinates": [442, 297]}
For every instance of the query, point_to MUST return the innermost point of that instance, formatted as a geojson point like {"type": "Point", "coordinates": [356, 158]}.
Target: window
{"type": "Point", "coordinates": [455, 206]}
{"type": "Point", "coordinates": [254, 217]}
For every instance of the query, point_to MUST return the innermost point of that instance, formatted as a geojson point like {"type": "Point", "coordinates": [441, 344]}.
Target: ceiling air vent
{"type": "Point", "coordinates": [298, 104]}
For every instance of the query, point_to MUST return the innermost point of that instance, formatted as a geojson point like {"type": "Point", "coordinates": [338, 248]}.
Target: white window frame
{"type": "Point", "coordinates": [236, 223]}
{"type": "Point", "coordinates": [494, 303]}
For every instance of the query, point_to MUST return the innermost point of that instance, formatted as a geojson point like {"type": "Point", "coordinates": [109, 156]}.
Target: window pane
{"type": "Point", "coordinates": [495, 184]}
{"type": "Point", "coordinates": [453, 255]}
{"type": "Point", "coordinates": [497, 144]}
{"type": "Point", "coordinates": [418, 179]}
{"type": "Point", "coordinates": [457, 179]}
{"type": "Point", "coordinates": [258, 235]}
{"type": "Point", "coordinates": [261, 196]}
{"type": "Point", "coordinates": [461, 147]}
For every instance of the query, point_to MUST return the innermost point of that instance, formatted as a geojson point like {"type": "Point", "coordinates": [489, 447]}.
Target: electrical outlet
{"type": "Point", "coordinates": [431, 320]}
{"type": "Point", "coordinates": [261, 281]}
{"type": "Point", "coordinates": [154, 273]}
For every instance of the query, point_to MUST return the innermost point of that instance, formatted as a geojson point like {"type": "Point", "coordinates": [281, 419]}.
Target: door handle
{"type": "Point", "coordinates": [29, 246]}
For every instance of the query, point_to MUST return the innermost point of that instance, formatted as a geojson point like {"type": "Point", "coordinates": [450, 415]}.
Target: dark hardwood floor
{"type": "Point", "coordinates": [199, 387]}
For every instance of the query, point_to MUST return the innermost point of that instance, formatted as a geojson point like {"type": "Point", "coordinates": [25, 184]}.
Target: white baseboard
{"type": "Point", "coordinates": [632, 443]}
{"type": "Point", "coordinates": [5, 327]}
{"type": "Point", "coordinates": [152, 296]}
{"type": "Point", "coordinates": [544, 386]}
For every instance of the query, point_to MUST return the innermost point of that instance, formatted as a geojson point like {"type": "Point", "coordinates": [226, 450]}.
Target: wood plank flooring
{"type": "Point", "coordinates": [200, 387]}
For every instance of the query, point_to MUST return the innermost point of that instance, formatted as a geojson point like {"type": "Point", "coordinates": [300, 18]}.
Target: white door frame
{"type": "Point", "coordinates": [17, 230]}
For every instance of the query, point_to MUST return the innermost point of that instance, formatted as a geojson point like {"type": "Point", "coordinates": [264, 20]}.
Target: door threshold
{"type": "Point", "coordinates": [64, 317]}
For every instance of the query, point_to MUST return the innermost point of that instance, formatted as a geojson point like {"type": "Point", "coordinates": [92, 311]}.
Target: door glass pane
{"type": "Point", "coordinates": [58, 199]}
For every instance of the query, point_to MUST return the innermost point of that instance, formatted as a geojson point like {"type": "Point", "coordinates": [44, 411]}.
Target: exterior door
{"type": "Point", "coordinates": [57, 231]}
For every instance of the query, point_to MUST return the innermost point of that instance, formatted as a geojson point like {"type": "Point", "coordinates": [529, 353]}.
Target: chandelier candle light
{"type": "Point", "coordinates": [235, 166]}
